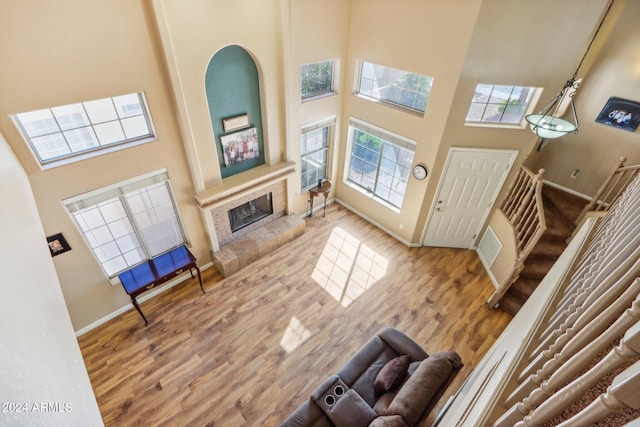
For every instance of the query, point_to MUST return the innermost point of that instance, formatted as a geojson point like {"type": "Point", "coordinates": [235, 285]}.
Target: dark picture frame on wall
{"type": "Point", "coordinates": [58, 244]}
{"type": "Point", "coordinates": [235, 123]}
{"type": "Point", "coordinates": [240, 146]}
{"type": "Point", "coordinates": [620, 113]}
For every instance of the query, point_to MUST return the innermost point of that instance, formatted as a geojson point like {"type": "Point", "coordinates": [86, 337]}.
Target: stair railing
{"type": "Point", "coordinates": [523, 207]}
{"type": "Point", "coordinates": [611, 189]}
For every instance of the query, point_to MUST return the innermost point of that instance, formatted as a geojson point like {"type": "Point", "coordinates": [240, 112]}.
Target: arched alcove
{"type": "Point", "coordinates": [233, 90]}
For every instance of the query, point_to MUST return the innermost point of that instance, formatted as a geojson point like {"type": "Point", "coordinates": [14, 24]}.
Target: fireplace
{"type": "Point", "coordinates": [250, 212]}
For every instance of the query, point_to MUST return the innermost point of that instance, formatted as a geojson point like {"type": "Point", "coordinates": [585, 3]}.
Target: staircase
{"type": "Point", "coordinates": [561, 209]}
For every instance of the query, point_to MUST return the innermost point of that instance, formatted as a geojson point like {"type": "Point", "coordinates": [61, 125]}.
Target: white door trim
{"type": "Point", "coordinates": [447, 164]}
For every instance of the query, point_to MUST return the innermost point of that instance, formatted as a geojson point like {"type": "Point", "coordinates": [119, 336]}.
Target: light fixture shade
{"type": "Point", "coordinates": [549, 127]}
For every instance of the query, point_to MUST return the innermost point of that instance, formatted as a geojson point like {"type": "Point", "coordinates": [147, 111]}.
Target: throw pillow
{"type": "Point", "coordinates": [392, 374]}
{"type": "Point", "coordinates": [351, 411]}
{"type": "Point", "coordinates": [388, 421]}
{"type": "Point", "coordinates": [416, 394]}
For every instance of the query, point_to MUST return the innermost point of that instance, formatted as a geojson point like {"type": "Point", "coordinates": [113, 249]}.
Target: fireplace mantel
{"type": "Point", "coordinates": [252, 179]}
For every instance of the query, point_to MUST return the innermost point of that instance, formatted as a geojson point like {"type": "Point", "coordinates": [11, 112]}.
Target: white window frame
{"type": "Point", "coordinates": [101, 141]}
{"type": "Point", "coordinates": [329, 125]}
{"type": "Point", "coordinates": [318, 94]}
{"type": "Point", "coordinates": [535, 97]}
{"type": "Point", "coordinates": [119, 191]}
{"type": "Point", "coordinates": [375, 93]}
{"type": "Point", "coordinates": [387, 137]}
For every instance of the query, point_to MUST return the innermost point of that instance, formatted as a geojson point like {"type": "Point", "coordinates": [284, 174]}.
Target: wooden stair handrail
{"type": "Point", "coordinates": [523, 207]}
{"type": "Point", "coordinates": [618, 179]}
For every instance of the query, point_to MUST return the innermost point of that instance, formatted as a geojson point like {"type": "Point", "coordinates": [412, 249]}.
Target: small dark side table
{"type": "Point", "coordinates": [157, 271]}
{"type": "Point", "coordinates": [314, 192]}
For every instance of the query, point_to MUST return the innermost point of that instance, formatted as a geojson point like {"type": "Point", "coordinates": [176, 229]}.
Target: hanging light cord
{"type": "Point", "coordinates": [592, 39]}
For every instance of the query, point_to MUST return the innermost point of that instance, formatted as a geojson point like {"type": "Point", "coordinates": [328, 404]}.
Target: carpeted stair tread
{"type": "Point", "coordinates": [561, 210]}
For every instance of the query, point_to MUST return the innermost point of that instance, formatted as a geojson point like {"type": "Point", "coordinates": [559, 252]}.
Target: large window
{"type": "Point", "coordinates": [314, 152]}
{"type": "Point", "coordinates": [380, 162]}
{"type": "Point", "coordinates": [500, 104]}
{"type": "Point", "coordinates": [316, 78]}
{"type": "Point", "coordinates": [60, 133]}
{"type": "Point", "coordinates": [128, 223]}
{"type": "Point", "coordinates": [397, 87]}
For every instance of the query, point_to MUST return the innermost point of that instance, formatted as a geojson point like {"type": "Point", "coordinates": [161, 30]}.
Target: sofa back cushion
{"type": "Point", "coordinates": [417, 392]}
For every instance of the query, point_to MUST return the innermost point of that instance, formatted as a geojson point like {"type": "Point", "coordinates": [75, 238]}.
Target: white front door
{"type": "Point", "coordinates": [470, 183]}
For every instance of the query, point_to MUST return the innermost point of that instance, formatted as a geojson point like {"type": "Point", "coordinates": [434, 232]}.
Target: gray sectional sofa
{"type": "Point", "coordinates": [390, 381]}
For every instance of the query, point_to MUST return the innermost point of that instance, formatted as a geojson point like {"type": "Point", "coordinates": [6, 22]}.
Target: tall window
{"type": "Point", "coordinates": [500, 104]}
{"type": "Point", "coordinates": [380, 162]}
{"type": "Point", "coordinates": [128, 223]}
{"type": "Point", "coordinates": [316, 78]}
{"type": "Point", "coordinates": [314, 152]}
{"type": "Point", "coordinates": [397, 87]}
{"type": "Point", "coordinates": [63, 132]}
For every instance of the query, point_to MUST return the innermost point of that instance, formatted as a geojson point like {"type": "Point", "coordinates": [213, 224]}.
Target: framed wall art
{"type": "Point", "coordinates": [620, 113]}
{"type": "Point", "coordinates": [58, 244]}
{"type": "Point", "coordinates": [235, 123]}
{"type": "Point", "coordinates": [240, 146]}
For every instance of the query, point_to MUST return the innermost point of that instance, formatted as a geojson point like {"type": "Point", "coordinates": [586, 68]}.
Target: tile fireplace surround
{"type": "Point", "coordinates": [239, 189]}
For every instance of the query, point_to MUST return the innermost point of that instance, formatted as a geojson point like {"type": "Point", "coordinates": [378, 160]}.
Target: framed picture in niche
{"type": "Point", "coordinates": [620, 113]}
{"type": "Point", "coordinates": [235, 123]}
{"type": "Point", "coordinates": [58, 244]}
{"type": "Point", "coordinates": [240, 146]}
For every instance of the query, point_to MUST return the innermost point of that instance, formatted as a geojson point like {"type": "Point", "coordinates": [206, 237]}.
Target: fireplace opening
{"type": "Point", "coordinates": [250, 212]}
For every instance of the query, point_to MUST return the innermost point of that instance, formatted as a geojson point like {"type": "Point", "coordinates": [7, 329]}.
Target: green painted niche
{"type": "Point", "coordinates": [233, 90]}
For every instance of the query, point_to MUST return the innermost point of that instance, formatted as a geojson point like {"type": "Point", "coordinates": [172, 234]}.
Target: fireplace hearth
{"type": "Point", "coordinates": [250, 212]}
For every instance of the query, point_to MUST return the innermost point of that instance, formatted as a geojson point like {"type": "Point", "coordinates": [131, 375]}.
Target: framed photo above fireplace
{"type": "Point", "coordinates": [235, 123]}
{"type": "Point", "coordinates": [620, 113]}
{"type": "Point", "coordinates": [240, 146]}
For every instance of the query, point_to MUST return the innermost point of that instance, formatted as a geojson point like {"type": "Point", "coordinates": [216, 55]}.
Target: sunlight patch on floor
{"type": "Point", "coordinates": [347, 267]}
{"type": "Point", "coordinates": [294, 336]}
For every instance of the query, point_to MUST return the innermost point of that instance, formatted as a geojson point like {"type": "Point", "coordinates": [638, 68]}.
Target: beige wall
{"type": "Point", "coordinates": [77, 50]}
{"type": "Point", "coordinates": [66, 52]}
{"type": "Point", "coordinates": [596, 148]}
{"type": "Point", "coordinates": [41, 359]}
{"type": "Point", "coordinates": [190, 37]}
{"type": "Point", "coordinates": [316, 31]}
{"type": "Point", "coordinates": [413, 40]}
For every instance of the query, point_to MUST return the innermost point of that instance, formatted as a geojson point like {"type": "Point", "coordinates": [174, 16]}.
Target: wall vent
{"type": "Point", "coordinates": [489, 247]}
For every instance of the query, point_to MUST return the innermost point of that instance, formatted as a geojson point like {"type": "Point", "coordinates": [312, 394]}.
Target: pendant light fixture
{"type": "Point", "coordinates": [546, 124]}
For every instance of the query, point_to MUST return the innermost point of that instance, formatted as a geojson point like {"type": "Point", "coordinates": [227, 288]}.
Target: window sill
{"type": "Point", "coordinates": [398, 107]}
{"type": "Point", "coordinates": [496, 125]}
{"type": "Point", "coordinates": [372, 196]}
{"type": "Point", "coordinates": [319, 96]}
{"type": "Point", "coordinates": [95, 153]}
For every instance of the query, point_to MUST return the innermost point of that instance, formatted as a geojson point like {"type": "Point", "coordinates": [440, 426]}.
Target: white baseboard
{"type": "Point", "coordinates": [143, 298]}
{"type": "Point", "coordinates": [566, 190]}
{"type": "Point", "coordinates": [366, 218]}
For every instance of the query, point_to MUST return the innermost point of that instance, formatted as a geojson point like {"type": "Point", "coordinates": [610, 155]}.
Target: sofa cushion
{"type": "Point", "coordinates": [417, 392]}
{"type": "Point", "coordinates": [388, 421]}
{"type": "Point", "coordinates": [351, 411]}
{"type": "Point", "coordinates": [392, 374]}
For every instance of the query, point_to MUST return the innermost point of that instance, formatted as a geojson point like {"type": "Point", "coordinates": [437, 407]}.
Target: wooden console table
{"type": "Point", "coordinates": [157, 271]}
{"type": "Point", "coordinates": [314, 192]}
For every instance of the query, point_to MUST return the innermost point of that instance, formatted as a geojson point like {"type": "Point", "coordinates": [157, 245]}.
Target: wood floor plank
{"type": "Point", "coordinates": [256, 345]}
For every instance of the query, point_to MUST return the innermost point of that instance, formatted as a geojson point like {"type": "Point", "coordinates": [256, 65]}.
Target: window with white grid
{"type": "Point", "coordinates": [128, 223]}
{"type": "Point", "coordinates": [501, 105]}
{"type": "Point", "coordinates": [394, 86]}
{"type": "Point", "coordinates": [58, 135]}
{"type": "Point", "coordinates": [316, 79]}
{"type": "Point", "coordinates": [314, 152]}
{"type": "Point", "coordinates": [380, 162]}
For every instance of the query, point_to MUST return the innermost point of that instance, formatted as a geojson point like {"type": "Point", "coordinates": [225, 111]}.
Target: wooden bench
{"type": "Point", "coordinates": [241, 252]}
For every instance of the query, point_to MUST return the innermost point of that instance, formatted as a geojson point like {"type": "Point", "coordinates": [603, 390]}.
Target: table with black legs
{"type": "Point", "coordinates": [156, 271]}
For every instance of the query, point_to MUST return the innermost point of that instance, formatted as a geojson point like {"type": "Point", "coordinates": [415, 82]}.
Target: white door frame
{"type": "Point", "coordinates": [445, 170]}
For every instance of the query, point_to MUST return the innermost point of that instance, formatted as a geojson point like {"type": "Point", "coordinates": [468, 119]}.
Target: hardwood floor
{"type": "Point", "coordinates": [254, 347]}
